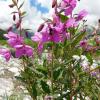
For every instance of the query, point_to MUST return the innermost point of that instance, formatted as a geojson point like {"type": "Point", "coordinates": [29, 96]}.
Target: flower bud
{"type": "Point", "coordinates": [11, 5]}
{"type": "Point", "coordinates": [26, 34]}
{"type": "Point", "coordinates": [40, 27]}
{"type": "Point", "coordinates": [54, 3]}
{"type": "Point", "coordinates": [14, 17]}
{"type": "Point", "coordinates": [9, 29]}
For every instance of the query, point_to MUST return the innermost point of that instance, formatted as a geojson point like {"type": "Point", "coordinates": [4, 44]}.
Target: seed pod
{"type": "Point", "coordinates": [40, 27]}
{"type": "Point", "coordinates": [54, 3]}
{"type": "Point", "coordinates": [14, 17]}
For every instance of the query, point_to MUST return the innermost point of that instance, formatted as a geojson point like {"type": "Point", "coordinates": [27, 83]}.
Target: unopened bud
{"type": "Point", "coordinates": [40, 27]}
{"type": "Point", "coordinates": [9, 29]}
{"type": "Point", "coordinates": [14, 17]}
{"type": "Point", "coordinates": [26, 33]}
{"type": "Point", "coordinates": [54, 3]}
{"type": "Point", "coordinates": [11, 6]}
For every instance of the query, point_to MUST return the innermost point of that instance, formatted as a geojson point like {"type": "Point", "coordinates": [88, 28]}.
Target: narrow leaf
{"type": "Point", "coordinates": [45, 87]}
{"type": "Point", "coordinates": [23, 13]}
{"type": "Point", "coordinates": [21, 5]}
{"type": "Point", "coordinates": [14, 1]}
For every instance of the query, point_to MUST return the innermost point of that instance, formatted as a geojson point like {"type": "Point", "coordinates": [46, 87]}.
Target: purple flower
{"type": "Point", "coordinates": [40, 48]}
{"type": "Point", "coordinates": [71, 23]}
{"type": "Point", "coordinates": [37, 37]}
{"type": "Point", "coordinates": [81, 15]}
{"type": "Point", "coordinates": [49, 33]}
{"type": "Point", "coordinates": [71, 3]}
{"type": "Point", "coordinates": [23, 50]}
{"type": "Point", "coordinates": [83, 44]}
{"type": "Point", "coordinates": [67, 35]}
{"type": "Point", "coordinates": [54, 33]}
{"type": "Point", "coordinates": [56, 19]}
{"type": "Point", "coordinates": [68, 6]}
{"type": "Point", "coordinates": [68, 11]}
{"type": "Point", "coordinates": [5, 53]}
{"type": "Point", "coordinates": [40, 38]}
{"type": "Point", "coordinates": [14, 39]}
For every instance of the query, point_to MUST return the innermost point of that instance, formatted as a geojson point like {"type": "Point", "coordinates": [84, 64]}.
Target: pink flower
{"type": "Point", "coordinates": [71, 3]}
{"type": "Point", "coordinates": [40, 48]}
{"type": "Point", "coordinates": [5, 53]}
{"type": "Point", "coordinates": [48, 34]}
{"type": "Point", "coordinates": [68, 11]}
{"type": "Point", "coordinates": [83, 44]}
{"type": "Point", "coordinates": [67, 35]}
{"type": "Point", "coordinates": [37, 37]}
{"type": "Point", "coordinates": [14, 39]}
{"type": "Point", "coordinates": [81, 15]}
{"type": "Point", "coordinates": [71, 23]}
{"type": "Point", "coordinates": [54, 34]}
{"type": "Point", "coordinates": [68, 6]}
{"type": "Point", "coordinates": [56, 18]}
{"type": "Point", "coordinates": [23, 50]}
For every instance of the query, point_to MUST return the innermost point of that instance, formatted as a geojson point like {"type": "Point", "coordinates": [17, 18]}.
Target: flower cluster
{"type": "Point", "coordinates": [51, 31]}
{"type": "Point", "coordinates": [17, 42]}
{"type": "Point", "coordinates": [55, 30]}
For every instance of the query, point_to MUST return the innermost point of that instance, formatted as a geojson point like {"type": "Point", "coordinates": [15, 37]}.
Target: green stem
{"type": "Point", "coordinates": [52, 92]}
{"type": "Point", "coordinates": [20, 28]}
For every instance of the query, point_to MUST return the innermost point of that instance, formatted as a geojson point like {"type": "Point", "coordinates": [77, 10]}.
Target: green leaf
{"type": "Point", "coordinates": [57, 73]}
{"type": "Point", "coordinates": [63, 18]}
{"type": "Point", "coordinates": [23, 13]}
{"type": "Point", "coordinates": [45, 87]}
{"type": "Point", "coordinates": [77, 39]}
{"type": "Point", "coordinates": [88, 55]}
{"type": "Point", "coordinates": [34, 90]}
{"type": "Point", "coordinates": [43, 71]}
{"type": "Point", "coordinates": [36, 72]}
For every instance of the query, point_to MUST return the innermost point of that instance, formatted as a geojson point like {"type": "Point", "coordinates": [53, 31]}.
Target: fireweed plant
{"type": "Point", "coordinates": [59, 64]}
